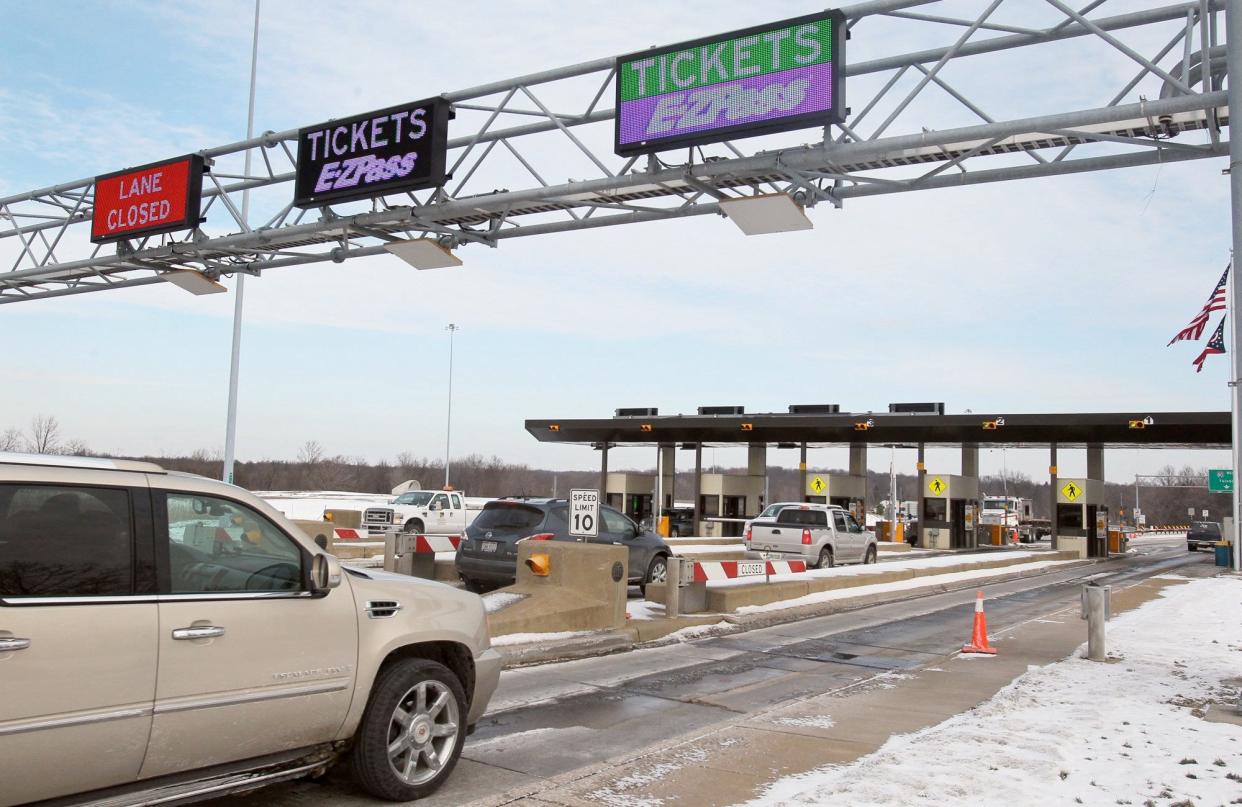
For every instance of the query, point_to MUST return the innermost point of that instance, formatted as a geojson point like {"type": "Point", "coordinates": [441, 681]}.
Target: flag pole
{"type": "Point", "coordinates": [1233, 63]}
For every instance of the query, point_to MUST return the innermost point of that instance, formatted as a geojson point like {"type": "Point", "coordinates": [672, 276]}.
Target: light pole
{"type": "Point", "coordinates": [230, 427]}
{"type": "Point", "coordinates": [448, 429]}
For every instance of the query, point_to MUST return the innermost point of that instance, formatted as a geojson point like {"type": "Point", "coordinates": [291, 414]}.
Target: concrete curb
{"type": "Point", "coordinates": [764, 620]}
{"type": "Point", "coordinates": [607, 643]}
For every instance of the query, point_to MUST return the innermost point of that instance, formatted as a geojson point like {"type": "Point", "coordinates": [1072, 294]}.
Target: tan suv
{"type": "Point", "coordinates": [169, 633]}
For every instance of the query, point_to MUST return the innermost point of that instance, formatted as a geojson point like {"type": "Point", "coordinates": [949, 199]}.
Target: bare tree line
{"type": "Point", "coordinates": [1165, 499]}
{"type": "Point", "coordinates": [42, 436]}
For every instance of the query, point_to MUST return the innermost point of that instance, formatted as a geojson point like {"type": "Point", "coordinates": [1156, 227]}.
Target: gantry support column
{"type": "Point", "coordinates": [1095, 461]}
{"type": "Point", "coordinates": [858, 467]}
{"type": "Point", "coordinates": [802, 497]}
{"type": "Point", "coordinates": [698, 488]}
{"type": "Point", "coordinates": [603, 472]}
{"type": "Point", "coordinates": [1052, 492]}
{"type": "Point", "coordinates": [668, 479]}
{"type": "Point", "coordinates": [918, 500]}
{"type": "Point", "coordinates": [757, 465]}
{"type": "Point", "coordinates": [970, 460]}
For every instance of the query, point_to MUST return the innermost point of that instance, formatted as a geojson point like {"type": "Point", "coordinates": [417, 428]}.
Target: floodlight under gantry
{"type": "Point", "coordinates": [768, 213]}
{"type": "Point", "coordinates": [194, 282]}
{"type": "Point", "coordinates": [423, 253]}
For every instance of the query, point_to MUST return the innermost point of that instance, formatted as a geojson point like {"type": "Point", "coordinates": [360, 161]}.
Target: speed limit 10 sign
{"type": "Point", "coordinates": [584, 513]}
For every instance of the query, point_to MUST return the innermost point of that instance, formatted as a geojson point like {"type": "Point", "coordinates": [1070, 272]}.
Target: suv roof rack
{"type": "Point", "coordinates": [97, 463]}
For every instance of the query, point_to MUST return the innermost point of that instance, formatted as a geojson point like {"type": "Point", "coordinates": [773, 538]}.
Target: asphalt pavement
{"type": "Point", "coordinates": [548, 721]}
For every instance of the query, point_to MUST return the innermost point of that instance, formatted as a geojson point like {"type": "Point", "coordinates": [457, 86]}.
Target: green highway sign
{"type": "Point", "coordinates": [1220, 480]}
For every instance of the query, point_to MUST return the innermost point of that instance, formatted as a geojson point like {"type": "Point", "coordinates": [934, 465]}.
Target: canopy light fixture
{"type": "Point", "coordinates": [194, 282]}
{"type": "Point", "coordinates": [768, 213]}
{"type": "Point", "coordinates": [423, 253]}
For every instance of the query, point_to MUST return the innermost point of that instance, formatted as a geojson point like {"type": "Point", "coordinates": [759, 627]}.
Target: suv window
{"type": "Point", "coordinates": [839, 518]}
{"type": "Point", "coordinates": [215, 545]}
{"type": "Point", "coordinates": [1206, 526]}
{"type": "Point", "coordinates": [65, 541]}
{"type": "Point", "coordinates": [615, 523]}
{"type": "Point", "coordinates": [854, 526]}
{"type": "Point", "coordinates": [507, 516]}
{"type": "Point", "coordinates": [804, 518]}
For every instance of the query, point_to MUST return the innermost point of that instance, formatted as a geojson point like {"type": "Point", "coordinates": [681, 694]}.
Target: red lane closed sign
{"type": "Point", "coordinates": [156, 198]}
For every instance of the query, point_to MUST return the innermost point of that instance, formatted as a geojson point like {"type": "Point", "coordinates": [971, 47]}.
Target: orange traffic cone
{"type": "Point", "coordinates": [979, 636]}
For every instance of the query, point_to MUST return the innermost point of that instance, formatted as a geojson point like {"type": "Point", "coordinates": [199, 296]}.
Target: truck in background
{"type": "Point", "coordinates": [434, 512]}
{"type": "Point", "coordinates": [1014, 513]}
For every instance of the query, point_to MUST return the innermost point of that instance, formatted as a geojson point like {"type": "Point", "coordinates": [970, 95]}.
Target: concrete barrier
{"type": "Point", "coordinates": [344, 518]}
{"type": "Point", "coordinates": [585, 589]}
{"type": "Point", "coordinates": [724, 599]}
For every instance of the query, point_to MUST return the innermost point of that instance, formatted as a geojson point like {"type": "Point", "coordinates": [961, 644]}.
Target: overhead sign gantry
{"type": "Point", "coordinates": [509, 150]}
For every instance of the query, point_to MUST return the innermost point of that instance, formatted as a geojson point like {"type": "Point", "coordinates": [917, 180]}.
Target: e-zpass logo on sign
{"type": "Point", "coordinates": [390, 150]}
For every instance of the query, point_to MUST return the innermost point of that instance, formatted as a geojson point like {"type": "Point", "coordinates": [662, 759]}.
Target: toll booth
{"type": "Point", "coordinates": [846, 490]}
{"type": "Point", "coordinates": [631, 493]}
{"type": "Point", "coordinates": [1081, 522]}
{"type": "Point", "coordinates": [947, 512]}
{"type": "Point", "coordinates": [726, 501]}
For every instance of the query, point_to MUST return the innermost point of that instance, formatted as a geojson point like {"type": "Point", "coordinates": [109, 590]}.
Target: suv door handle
{"type": "Point", "coordinates": [776, 532]}
{"type": "Point", "coordinates": [13, 644]}
{"type": "Point", "coordinates": [203, 632]}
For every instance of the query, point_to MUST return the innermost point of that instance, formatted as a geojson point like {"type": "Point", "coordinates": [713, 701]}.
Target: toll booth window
{"type": "Point", "coordinates": [936, 509]}
{"type": "Point", "coordinates": [65, 541]}
{"type": "Point", "coordinates": [710, 505]}
{"type": "Point", "coordinates": [1069, 516]}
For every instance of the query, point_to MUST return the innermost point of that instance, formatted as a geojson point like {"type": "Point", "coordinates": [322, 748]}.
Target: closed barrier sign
{"type": "Point", "coordinates": [779, 76]}
{"type": "Point", "coordinates": [396, 149]}
{"type": "Point", "coordinates": [156, 198]}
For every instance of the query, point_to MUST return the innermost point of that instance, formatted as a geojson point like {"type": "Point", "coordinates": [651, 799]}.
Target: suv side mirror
{"type": "Point", "coordinates": [325, 573]}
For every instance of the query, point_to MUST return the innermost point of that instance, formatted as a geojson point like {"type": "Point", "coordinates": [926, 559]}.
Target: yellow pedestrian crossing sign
{"type": "Point", "coordinates": [818, 485]}
{"type": "Point", "coordinates": [1071, 490]}
{"type": "Point", "coordinates": [937, 486]}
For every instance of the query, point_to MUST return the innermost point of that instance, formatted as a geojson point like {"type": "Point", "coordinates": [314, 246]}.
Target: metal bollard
{"type": "Point", "coordinates": [672, 588]}
{"type": "Point", "coordinates": [390, 551]}
{"type": "Point", "coordinates": [1096, 609]}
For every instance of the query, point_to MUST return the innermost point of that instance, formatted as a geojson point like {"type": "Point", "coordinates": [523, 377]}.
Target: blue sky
{"type": "Point", "coordinates": [1046, 295]}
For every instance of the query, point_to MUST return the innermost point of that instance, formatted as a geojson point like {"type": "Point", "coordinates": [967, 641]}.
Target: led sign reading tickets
{"type": "Point", "coordinates": [775, 77]}
{"type": "Point", "coordinates": [401, 148]}
{"type": "Point", "coordinates": [156, 198]}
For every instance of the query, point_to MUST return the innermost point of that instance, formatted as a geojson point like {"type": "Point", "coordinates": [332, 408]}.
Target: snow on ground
{"type": "Point", "coordinates": [862, 570]}
{"type": "Point", "coordinates": [1076, 731]}
{"type": "Point", "coordinates": [531, 638]}
{"type": "Point", "coordinates": [899, 585]}
{"type": "Point", "coordinates": [499, 600]}
{"type": "Point", "coordinates": [700, 631]}
{"type": "Point", "coordinates": [642, 610]}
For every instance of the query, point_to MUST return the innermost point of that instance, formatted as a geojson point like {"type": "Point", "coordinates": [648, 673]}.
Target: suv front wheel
{"type": "Point", "coordinates": [657, 572]}
{"type": "Point", "coordinates": [412, 732]}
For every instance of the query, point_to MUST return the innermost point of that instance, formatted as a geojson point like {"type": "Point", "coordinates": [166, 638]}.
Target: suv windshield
{"type": "Point", "coordinates": [418, 499]}
{"type": "Point", "coordinates": [509, 517]}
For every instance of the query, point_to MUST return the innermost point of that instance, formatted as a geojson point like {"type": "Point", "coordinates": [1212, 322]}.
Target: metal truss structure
{"type": "Point", "coordinates": [519, 128]}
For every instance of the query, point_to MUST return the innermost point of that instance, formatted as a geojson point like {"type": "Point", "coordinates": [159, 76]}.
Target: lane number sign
{"type": "Point", "coordinates": [584, 513]}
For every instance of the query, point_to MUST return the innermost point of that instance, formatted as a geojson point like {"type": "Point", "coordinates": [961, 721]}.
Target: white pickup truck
{"type": "Point", "coordinates": [821, 534]}
{"type": "Point", "coordinates": [424, 512]}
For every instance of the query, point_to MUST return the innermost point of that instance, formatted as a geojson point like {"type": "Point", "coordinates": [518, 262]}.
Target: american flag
{"type": "Point", "coordinates": [1216, 302]}
{"type": "Point", "coordinates": [1214, 345]}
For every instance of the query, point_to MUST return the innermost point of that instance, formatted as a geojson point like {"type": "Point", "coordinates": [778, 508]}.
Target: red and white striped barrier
{"type": "Point", "coordinates": [436, 543]}
{"type": "Point", "coordinates": [344, 534]}
{"type": "Point", "coordinates": [703, 572]}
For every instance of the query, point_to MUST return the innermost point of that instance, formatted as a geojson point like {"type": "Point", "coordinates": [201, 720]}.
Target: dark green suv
{"type": "Point", "coordinates": [1202, 533]}
{"type": "Point", "coordinates": [487, 556]}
